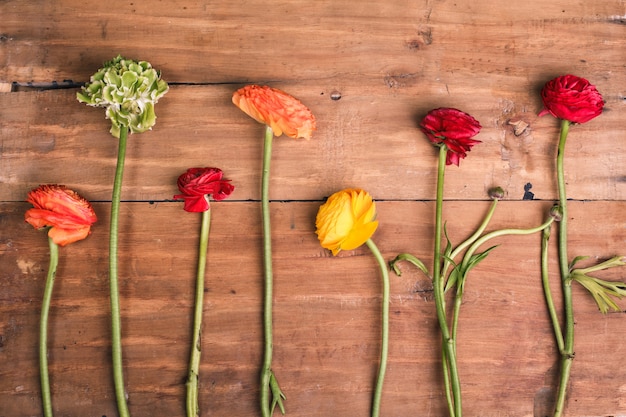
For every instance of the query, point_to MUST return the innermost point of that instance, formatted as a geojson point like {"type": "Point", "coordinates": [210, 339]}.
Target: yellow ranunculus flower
{"type": "Point", "coordinates": [346, 221]}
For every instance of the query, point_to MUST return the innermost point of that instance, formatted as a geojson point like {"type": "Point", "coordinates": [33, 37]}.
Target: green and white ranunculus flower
{"type": "Point", "coordinates": [128, 90]}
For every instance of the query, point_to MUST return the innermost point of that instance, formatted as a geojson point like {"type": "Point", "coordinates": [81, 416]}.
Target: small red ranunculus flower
{"type": "Point", "coordinates": [196, 184]}
{"type": "Point", "coordinates": [276, 109]}
{"type": "Point", "coordinates": [453, 128]}
{"type": "Point", "coordinates": [572, 98]}
{"type": "Point", "coordinates": [68, 215]}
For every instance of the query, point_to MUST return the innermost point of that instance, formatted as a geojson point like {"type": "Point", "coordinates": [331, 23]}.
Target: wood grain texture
{"type": "Point", "coordinates": [326, 315]}
{"type": "Point", "coordinates": [390, 62]}
{"type": "Point", "coordinates": [369, 139]}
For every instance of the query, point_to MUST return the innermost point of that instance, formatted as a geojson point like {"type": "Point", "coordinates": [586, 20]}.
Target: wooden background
{"type": "Point", "coordinates": [390, 61]}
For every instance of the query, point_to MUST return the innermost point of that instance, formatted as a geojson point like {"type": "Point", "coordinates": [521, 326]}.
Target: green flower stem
{"type": "Point", "coordinates": [567, 355]}
{"type": "Point", "coordinates": [470, 252]}
{"type": "Point", "coordinates": [472, 238]}
{"type": "Point", "coordinates": [43, 330]}
{"type": "Point", "coordinates": [268, 381]}
{"type": "Point", "coordinates": [502, 232]}
{"type": "Point", "coordinates": [446, 382]}
{"type": "Point", "coordinates": [193, 409]}
{"type": "Point", "coordinates": [546, 289]}
{"type": "Point", "coordinates": [448, 351]}
{"type": "Point", "coordinates": [116, 331]}
{"type": "Point", "coordinates": [385, 329]}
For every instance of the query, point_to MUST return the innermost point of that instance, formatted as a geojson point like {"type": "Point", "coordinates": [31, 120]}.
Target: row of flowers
{"type": "Point", "coordinates": [129, 90]}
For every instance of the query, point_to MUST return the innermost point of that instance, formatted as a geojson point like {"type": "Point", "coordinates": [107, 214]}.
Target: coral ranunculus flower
{"type": "Point", "coordinates": [452, 128]}
{"type": "Point", "coordinates": [68, 214]}
{"type": "Point", "coordinates": [346, 221]}
{"type": "Point", "coordinates": [572, 98]}
{"type": "Point", "coordinates": [196, 184]}
{"type": "Point", "coordinates": [277, 109]}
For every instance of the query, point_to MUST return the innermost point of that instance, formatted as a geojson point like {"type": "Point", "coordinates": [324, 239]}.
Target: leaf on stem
{"type": "Point", "coordinates": [454, 275]}
{"type": "Point", "coordinates": [475, 259]}
{"type": "Point", "coordinates": [410, 258]}
{"type": "Point", "coordinates": [277, 395]}
{"type": "Point", "coordinates": [575, 261]}
{"type": "Point", "coordinates": [459, 272]}
{"type": "Point", "coordinates": [602, 291]}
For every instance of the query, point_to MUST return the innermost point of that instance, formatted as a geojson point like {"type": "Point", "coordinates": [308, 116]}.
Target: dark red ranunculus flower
{"type": "Point", "coordinates": [572, 98]}
{"type": "Point", "coordinates": [197, 184]}
{"type": "Point", "coordinates": [453, 128]}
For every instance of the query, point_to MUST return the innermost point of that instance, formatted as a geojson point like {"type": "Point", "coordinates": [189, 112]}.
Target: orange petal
{"type": "Point", "coordinates": [63, 237]}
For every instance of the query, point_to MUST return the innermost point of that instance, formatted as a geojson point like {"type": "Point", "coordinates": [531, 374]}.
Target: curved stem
{"type": "Point", "coordinates": [567, 355]}
{"type": "Point", "coordinates": [472, 238]}
{"type": "Point", "coordinates": [545, 238]}
{"type": "Point", "coordinates": [193, 409]}
{"type": "Point", "coordinates": [502, 232]}
{"type": "Point", "coordinates": [470, 252]}
{"type": "Point", "coordinates": [266, 370]}
{"type": "Point", "coordinates": [448, 352]}
{"type": "Point", "coordinates": [43, 330]}
{"type": "Point", "coordinates": [116, 327]}
{"type": "Point", "coordinates": [385, 329]}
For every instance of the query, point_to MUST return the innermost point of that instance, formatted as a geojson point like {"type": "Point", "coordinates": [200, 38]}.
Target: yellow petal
{"type": "Point", "coordinates": [359, 236]}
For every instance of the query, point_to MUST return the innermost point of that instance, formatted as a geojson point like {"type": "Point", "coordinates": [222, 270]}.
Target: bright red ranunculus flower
{"type": "Point", "coordinates": [68, 214]}
{"type": "Point", "coordinates": [572, 98]}
{"type": "Point", "coordinates": [277, 109]}
{"type": "Point", "coordinates": [196, 184]}
{"type": "Point", "coordinates": [453, 128]}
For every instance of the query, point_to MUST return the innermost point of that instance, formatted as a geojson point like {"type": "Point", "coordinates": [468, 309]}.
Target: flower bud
{"type": "Point", "coordinates": [556, 212]}
{"type": "Point", "coordinates": [496, 193]}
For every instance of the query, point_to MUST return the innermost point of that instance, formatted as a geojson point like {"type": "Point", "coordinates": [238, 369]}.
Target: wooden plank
{"type": "Point", "coordinates": [366, 139]}
{"type": "Point", "coordinates": [244, 41]}
{"type": "Point", "coordinates": [326, 320]}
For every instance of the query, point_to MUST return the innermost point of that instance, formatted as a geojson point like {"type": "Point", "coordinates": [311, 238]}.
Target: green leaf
{"type": "Point", "coordinates": [575, 261]}
{"type": "Point", "coordinates": [410, 258]}
{"type": "Point", "coordinates": [277, 395]}
{"type": "Point", "coordinates": [475, 259]}
{"type": "Point", "coordinates": [453, 276]}
{"type": "Point", "coordinates": [602, 290]}
{"type": "Point", "coordinates": [448, 251]}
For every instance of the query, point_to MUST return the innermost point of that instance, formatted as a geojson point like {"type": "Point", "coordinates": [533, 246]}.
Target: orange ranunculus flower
{"type": "Point", "coordinates": [68, 214]}
{"type": "Point", "coordinates": [346, 221]}
{"type": "Point", "coordinates": [277, 109]}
